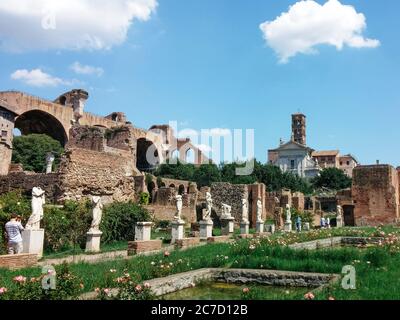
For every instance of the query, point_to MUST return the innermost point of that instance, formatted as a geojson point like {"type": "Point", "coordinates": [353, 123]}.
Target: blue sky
{"type": "Point", "coordinates": [206, 65]}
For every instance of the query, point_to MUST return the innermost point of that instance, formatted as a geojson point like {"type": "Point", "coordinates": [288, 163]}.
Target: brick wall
{"type": "Point", "coordinates": [375, 193]}
{"type": "Point", "coordinates": [18, 261]}
{"type": "Point", "coordinates": [27, 181]}
{"type": "Point", "coordinates": [87, 172]}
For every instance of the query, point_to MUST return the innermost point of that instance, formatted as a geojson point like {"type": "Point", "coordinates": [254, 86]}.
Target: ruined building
{"type": "Point", "coordinates": [104, 155]}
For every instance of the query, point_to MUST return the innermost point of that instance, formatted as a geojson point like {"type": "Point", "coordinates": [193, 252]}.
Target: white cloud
{"type": "Point", "coordinates": [69, 24]}
{"type": "Point", "coordinates": [38, 78]}
{"type": "Point", "coordinates": [204, 148]}
{"type": "Point", "coordinates": [86, 69]}
{"type": "Point", "coordinates": [308, 24]}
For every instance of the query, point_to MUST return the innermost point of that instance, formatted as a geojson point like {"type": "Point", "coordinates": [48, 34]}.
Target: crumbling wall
{"type": "Point", "coordinates": [229, 194]}
{"type": "Point", "coordinates": [298, 201]}
{"type": "Point", "coordinates": [375, 193]}
{"type": "Point", "coordinates": [86, 172]}
{"type": "Point", "coordinates": [25, 182]}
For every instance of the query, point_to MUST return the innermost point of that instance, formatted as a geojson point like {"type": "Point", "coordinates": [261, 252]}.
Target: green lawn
{"type": "Point", "coordinates": [378, 271]}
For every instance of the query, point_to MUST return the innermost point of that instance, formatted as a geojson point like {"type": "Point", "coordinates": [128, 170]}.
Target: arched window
{"type": "Point", "coordinates": [190, 156]}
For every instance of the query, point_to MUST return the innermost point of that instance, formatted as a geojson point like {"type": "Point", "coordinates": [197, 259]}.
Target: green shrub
{"type": "Point", "coordinates": [66, 227]}
{"type": "Point", "coordinates": [144, 198]}
{"type": "Point", "coordinates": [377, 257]}
{"type": "Point", "coordinates": [119, 221]}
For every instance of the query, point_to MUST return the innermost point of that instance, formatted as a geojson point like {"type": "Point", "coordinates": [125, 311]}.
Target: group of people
{"type": "Point", "coordinates": [13, 234]}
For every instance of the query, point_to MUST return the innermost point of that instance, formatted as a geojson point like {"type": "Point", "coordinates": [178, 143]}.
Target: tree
{"type": "Point", "coordinates": [31, 151]}
{"type": "Point", "coordinates": [332, 178]}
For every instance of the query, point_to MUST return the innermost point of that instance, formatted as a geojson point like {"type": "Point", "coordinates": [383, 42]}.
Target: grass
{"type": "Point", "coordinates": [377, 272]}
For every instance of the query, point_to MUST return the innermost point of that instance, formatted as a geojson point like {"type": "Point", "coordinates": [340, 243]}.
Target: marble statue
{"type": "Point", "coordinates": [38, 200]}
{"type": "Point", "coordinates": [259, 210]}
{"type": "Point", "coordinates": [339, 212]}
{"type": "Point", "coordinates": [209, 204]}
{"type": "Point", "coordinates": [245, 210]}
{"type": "Point", "coordinates": [288, 214]}
{"type": "Point", "coordinates": [226, 211]}
{"type": "Point", "coordinates": [97, 213]}
{"type": "Point", "coordinates": [179, 204]}
{"type": "Point", "coordinates": [49, 162]}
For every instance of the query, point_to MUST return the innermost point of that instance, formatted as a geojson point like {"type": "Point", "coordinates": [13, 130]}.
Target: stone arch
{"type": "Point", "coordinates": [172, 186]}
{"type": "Point", "coordinates": [181, 189]}
{"type": "Point", "coordinates": [190, 156]}
{"type": "Point", "coordinates": [37, 121]}
{"type": "Point", "coordinates": [147, 155]}
{"type": "Point", "coordinates": [175, 154]}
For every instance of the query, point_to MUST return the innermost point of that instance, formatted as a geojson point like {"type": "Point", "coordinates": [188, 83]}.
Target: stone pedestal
{"type": "Point", "coordinates": [143, 231]}
{"type": "Point", "coordinates": [33, 242]}
{"type": "Point", "coordinates": [178, 230]}
{"type": "Point", "coordinates": [93, 241]}
{"type": "Point", "coordinates": [288, 227]}
{"type": "Point", "coordinates": [228, 226]}
{"type": "Point", "coordinates": [339, 222]}
{"type": "Point", "coordinates": [306, 226]}
{"type": "Point", "coordinates": [244, 227]}
{"type": "Point", "coordinates": [260, 227]}
{"type": "Point", "coordinates": [206, 228]}
{"type": "Point", "coordinates": [271, 228]}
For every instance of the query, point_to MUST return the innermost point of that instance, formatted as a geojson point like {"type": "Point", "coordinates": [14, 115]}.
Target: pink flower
{"type": "Point", "coordinates": [246, 290]}
{"type": "Point", "coordinates": [166, 254]}
{"type": "Point", "coordinates": [309, 296]}
{"type": "Point", "coordinates": [147, 285]}
{"type": "Point", "coordinates": [20, 279]}
{"type": "Point", "coordinates": [138, 288]}
{"type": "Point", "coordinates": [3, 290]}
{"type": "Point", "coordinates": [107, 291]}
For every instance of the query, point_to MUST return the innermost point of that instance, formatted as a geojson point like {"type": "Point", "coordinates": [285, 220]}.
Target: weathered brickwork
{"type": "Point", "coordinates": [376, 195]}
{"type": "Point", "coordinates": [18, 261]}
{"type": "Point", "coordinates": [86, 172]}
{"type": "Point", "coordinates": [136, 247]}
{"type": "Point", "coordinates": [25, 182]}
{"type": "Point", "coordinates": [231, 195]}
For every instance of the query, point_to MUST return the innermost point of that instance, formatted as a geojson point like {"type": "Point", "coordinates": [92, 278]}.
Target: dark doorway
{"type": "Point", "coordinates": [348, 212]}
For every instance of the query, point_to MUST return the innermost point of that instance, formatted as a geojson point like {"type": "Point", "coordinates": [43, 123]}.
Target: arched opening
{"type": "Point", "coordinates": [63, 100]}
{"type": "Point", "coordinates": [181, 189]}
{"type": "Point", "coordinates": [190, 156]}
{"type": "Point", "coordinates": [147, 157]}
{"type": "Point", "coordinates": [174, 155]}
{"type": "Point", "coordinates": [172, 186]}
{"type": "Point", "coordinates": [40, 122]}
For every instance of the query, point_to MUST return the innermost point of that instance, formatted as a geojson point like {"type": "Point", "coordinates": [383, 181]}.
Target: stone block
{"type": "Point", "coordinates": [206, 228]}
{"type": "Point", "coordinates": [187, 242]}
{"type": "Point", "coordinates": [143, 231]}
{"type": "Point", "coordinates": [260, 227]}
{"type": "Point", "coordinates": [93, 241]}
{"type": "Point", "coordinates": [244, 227]}
{"type": "Point", "coordinates": [288, 227]}
{"type": "Point", "coordinates": [178, 231]}
{"type": "Point", "coordinates": [18, 261]}
{"type": "Point", "coordinates": [228, 226]}
{"type": "Point", "coordinates": [220, 239]}
{"type": "Point", "coordinates": [136, 247]}
{"type": "Point", "coordinates": [33, 241]}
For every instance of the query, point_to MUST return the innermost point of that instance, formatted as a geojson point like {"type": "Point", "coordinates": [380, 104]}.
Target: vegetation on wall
{"type": "Point", "coordinates": [205, 175]}
{"type": "Point", "coordinates": [333, 179]}
{"type": "Point", "coordinates": [31, 151]}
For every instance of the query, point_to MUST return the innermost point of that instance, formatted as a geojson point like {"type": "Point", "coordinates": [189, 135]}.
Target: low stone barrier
{"type": "Point", "coordinates": [181, 281]}
{"type": "Point", "coordinates": [187, 242]}
{"type": "Point", "coordinates": [335, 241]}
{"type": "Point", "coordinates": [136, 247]}
{"type": "Point", "coordinates": [18, 261]}
{"type": "Point", "coordinates": [219, 239]}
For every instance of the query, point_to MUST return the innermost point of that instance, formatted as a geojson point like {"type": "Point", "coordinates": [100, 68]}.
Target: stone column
{"type": "Point", "coordinates": [244, 227]}
{"type": "Point", "coordinates": [178, 230]}
{"type": "Point", "coordinates": [260, 227]}
{"type": "Point", "coordinates": [93, 239]}
{"type": "Point", "coordinates": [206, 228]}
{"type": "Point", "coordinates": [228, 226]}
{"type": "Point", "coordinates": [143, 231]}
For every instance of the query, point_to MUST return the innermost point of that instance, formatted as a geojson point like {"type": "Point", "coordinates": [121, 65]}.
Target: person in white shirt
{"type": "Point", "coordinates": [14, 229]}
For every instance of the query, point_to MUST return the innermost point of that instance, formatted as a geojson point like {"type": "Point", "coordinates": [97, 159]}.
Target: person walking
{"type": "Point", "coordinates": [298, 224]}
{"type": "Point", "coordinates": [14, 229]}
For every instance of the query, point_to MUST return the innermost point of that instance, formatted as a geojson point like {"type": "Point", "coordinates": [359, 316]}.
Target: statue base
{"type": "Point", "coordinates": [306, 226]}
{"type": "Point", "coordinates": [178, 230]}
{"type": "Point", "coordinates": [270, 228]}
{"type": "Point", "coordinates": [288, 227]}
{"type": "Point", "coordinates": [33, 241]}
{"type": "Point", "coordinates": [143, 231]}
{"type": "Point", "coordinates": [93, 241]}
{"type": "Point", "coordinates": [228, 226]}
{"type": "Point", "coordinates": [260, 227]}
{"type": "Point", "coordinates": [206, 228]}
{"type": "Point", "coordinates": [339, 223]}
{"type": "Point", "coordinates": [244, 227]}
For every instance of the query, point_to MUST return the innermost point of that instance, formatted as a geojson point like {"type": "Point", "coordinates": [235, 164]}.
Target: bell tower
{"type": "Point", "coordinates": [299, 128]}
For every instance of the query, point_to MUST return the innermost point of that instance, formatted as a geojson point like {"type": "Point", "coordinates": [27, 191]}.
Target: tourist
{"type": "Point", "coordinates": [328, 223]}
{"type": "Point", "coordinates": [14, 229]}
{"type": "Point", "coordinates": [298, 224]}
